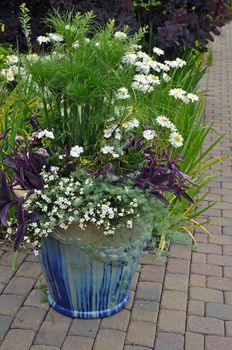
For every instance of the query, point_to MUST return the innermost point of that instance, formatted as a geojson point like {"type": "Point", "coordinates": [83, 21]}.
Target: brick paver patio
{"type": "Point", "coordinates": [184, 303]}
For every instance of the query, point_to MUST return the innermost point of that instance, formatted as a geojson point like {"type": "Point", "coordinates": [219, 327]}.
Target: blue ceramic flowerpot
{"type": "Point", "coordinates": [88, 278]}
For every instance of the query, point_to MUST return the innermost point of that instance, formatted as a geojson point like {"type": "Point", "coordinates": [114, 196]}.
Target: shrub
{"type": "Point", "coordinates": [103, 11]}
{"type": "Point", "coordinates": [178, 25]}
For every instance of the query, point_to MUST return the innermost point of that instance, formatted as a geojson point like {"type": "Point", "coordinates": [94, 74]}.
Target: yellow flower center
{"type": "Point", "coordinates": [177, 138]}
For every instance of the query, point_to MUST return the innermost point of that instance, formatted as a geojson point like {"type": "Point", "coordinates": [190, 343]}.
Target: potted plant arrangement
{"type": "Point", "coordinates": [89, 173]}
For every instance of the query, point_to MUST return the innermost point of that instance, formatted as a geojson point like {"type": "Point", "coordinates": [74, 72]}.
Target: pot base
{"type": "Point", "coordinates": [88, 314]}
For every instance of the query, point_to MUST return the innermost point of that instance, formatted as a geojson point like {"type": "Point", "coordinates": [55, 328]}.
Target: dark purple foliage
{"type": "Point", "coordinates": [27, 166]}
{"type": "Point", "coordinates": [162, 174]}
{"type": "Point", "coordinates": [103, 10]}
{"type": "Point", "coordinates": [7, 198]}
{"type": "Point", "coordinates": [179, 25]}
{"type": "Point", "coordinates": [24, 167]}
{"type": "Point", "coordinates": [159, 174]}
{"type": "Point", "coordinates": [175, 24]}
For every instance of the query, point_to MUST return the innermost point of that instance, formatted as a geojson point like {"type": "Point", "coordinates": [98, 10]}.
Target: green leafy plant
{"type": "Point", "coordinates": [25, 23]}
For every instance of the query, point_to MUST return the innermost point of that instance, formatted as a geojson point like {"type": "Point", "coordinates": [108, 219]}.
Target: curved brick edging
{"type": "Point", "coordinates": [183, 304]}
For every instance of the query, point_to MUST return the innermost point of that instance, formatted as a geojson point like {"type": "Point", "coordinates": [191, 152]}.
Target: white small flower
{"type": "Point", "coordinates": [97, 44]}
{"type": "Point", "coordinates": [163, 67]}
{"type": "Point", "coordinates": [12, 59]}
{"type": "Point", "coordinates": [107, 149]}
{"type": "Point", "coordinates": [109, 232]}
{"type": "Point", "coordinates": [176, 139]}
{"type": "Point", "coordinates": [180, 63]}
{"type": "Point", "coordinates": [76, 44]}
{"type": "Point", "coordinates": [166, 77]}
{"type": "Point", "coordinates": [117, 134]}
{"type": "Point", "coordinates": [141, 78]}
{"type": "Point", "coordinates": [158, 51]}
{"type": "Point", "coordinates": [142, 67]}
{"type": "Point", "coordinates": [131, 124]}
{"type": "Point", "coordinates": [163, 121]}
{"type": "Point", "coordinates": [55, 37]}
{"type": "Point", "coordinates": [172, 127]}
{"type": "Point", "coordinates": [67, 26]}
{"type": "Point", "coordinates": [87, 40]}
{"type": "Point", "coordinates": [192, 97]}
{"type": "Point", "coordinates": [142, 55]}
{"type": "Point", "coordinates": [177, 93]}
{"type": "Point", "coordinates": [14, 69]}
{"type": "Point", "coordinates": [43, 39]}
{"type": "Point", "coordinates": [33, 57]}
{"type": "Point", "coordinates": [120, 35]}
{"type": "Point", "coordinates": [46, 133]}
{"type": "Point", "coordinates": [149, 134]}
{"type": "Point", "coordinates": [115, 155]}
{"type": "Point", "coordinates": [8, 74]}
{"type": "Point", "coordinates": [76, 151]}
{"type": "Point", "coordinates": [129, 224]}
{"type": "Point", "coordinates": [129, 58]}
{"type": "Point", "coordinates": [136, 47]}
{"type": "Point", "coordinates": [122, 94]}
{"type": "Point", "coordinates": [153, 79]}
{"type": "Point", "coordinates": [108, 132]}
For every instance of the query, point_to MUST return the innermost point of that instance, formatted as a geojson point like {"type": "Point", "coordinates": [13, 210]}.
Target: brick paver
{"type": "Point", "coordinates": [183, 302]}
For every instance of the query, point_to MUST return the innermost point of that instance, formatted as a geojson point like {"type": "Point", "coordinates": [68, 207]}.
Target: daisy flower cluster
{"type": "Point", "coordinates": [51, 37]}
{"type": "Point", "coordinates": [175, 139]}
{"type": "Point", "coordinates": [182, 95]}
{"type": "Point", "coordinates": [12, 68]}
{"type": "Point", "coordinates": [148, 71]}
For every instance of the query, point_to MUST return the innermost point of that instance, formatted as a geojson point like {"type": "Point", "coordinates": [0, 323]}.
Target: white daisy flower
{"type": "Point", "coordinates": [176, 139]}
{"type": "Point", "coordinates": [177, 93]}
{"type": "Point", "coordinates": [163, 67]}
{"type": "Point", "coordinates": [122, 94]}
{"type": "Point", "coordinates": [142, 55]}
{"type": "Point", "coordinates": [149, 134]}
{"type": "Point", "coordinates": [43, 39]}
{"type": "Point", "coordinates": [153, 79]}
{"type": "Point", "coordinates": [120, 35]}
{"type": "Point", "coordinates": [163, 121]}
{"type": "Point", "coordinates": [12, 59]}
{"type": "Point", "coordinates": [136, 47]}
{"type": "Point", "coordinates": [180, 63]}
{"type": "Point", "coordinates": [131, 124]}
{"type": "Point", "coordinates": [33, 57]}
{"type": "Point", "coordinates": [76, 151]}
{"type": "Point", "coordinates": [107, 149]}
{"type": "Point", "coordinates": [158, 51]}
{"type": "Point", "coordinates": [142, 67]}
{"type": "Point", "coordinates": [192, 97]}
{"type": "Point", "coordinates": [14, 69]}
{"type": "Point", "coordinates": [46, 133]}
{"type": "Point", "coordinates": [166, 77]}
{"type": "Point", "coordinates": [55, 37]}
{"type": "Point", "coordinates": [8, 74]}
{"type": "Point", "coordinates": [130, 58]}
